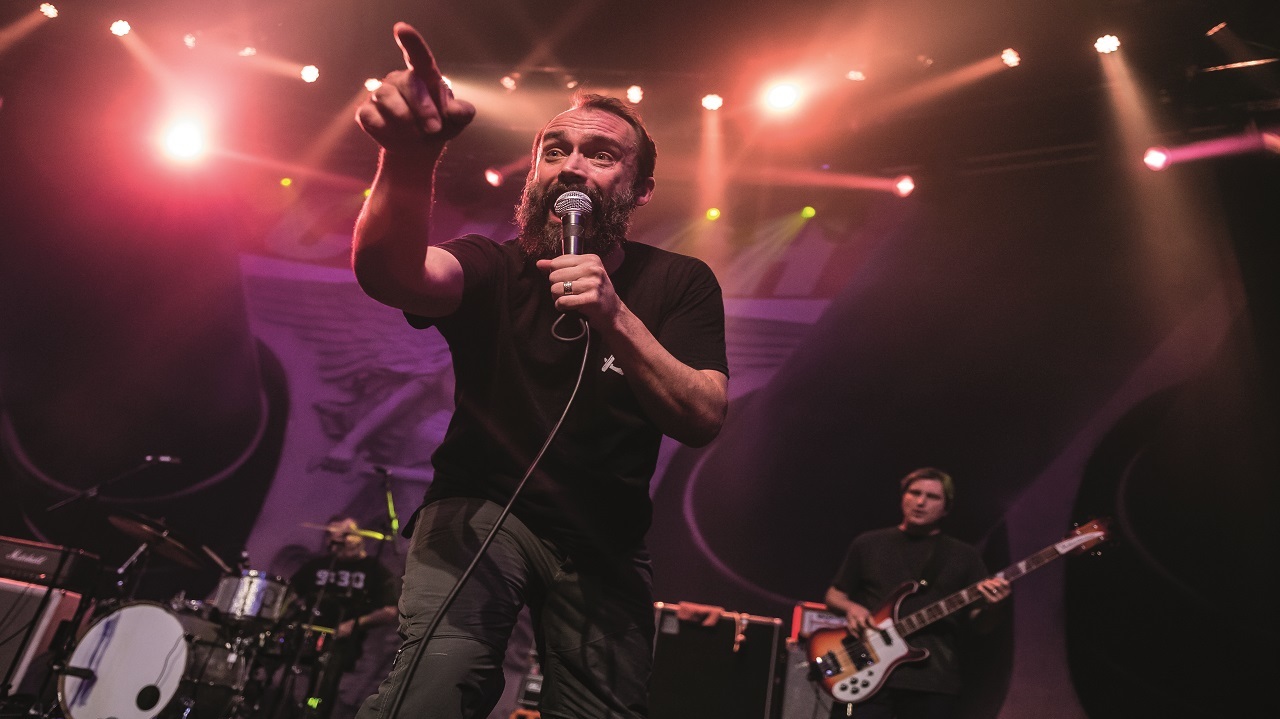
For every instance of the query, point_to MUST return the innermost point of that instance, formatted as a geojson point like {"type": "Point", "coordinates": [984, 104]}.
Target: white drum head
{"type": "Point", "coordinates": [138, 655]}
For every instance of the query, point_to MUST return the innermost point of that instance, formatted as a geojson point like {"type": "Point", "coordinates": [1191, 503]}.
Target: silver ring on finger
{"type": "Point", "coordinates": [568, 287]}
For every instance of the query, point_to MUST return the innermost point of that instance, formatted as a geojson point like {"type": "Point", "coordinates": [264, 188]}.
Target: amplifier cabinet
{"type": "Point", "coordinates": [729, 670]}
{"type": "Point", "coordinates": [20, 618]}
{"type": "Point", "coordinates": [802, 697]}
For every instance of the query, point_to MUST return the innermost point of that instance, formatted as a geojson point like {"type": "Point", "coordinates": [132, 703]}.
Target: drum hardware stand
{"type": "Point", "coordinates": [127, 580]}
{"type": "Point", "coordinates": [291, 672]}
{"type": "Point", "coordinates": [61, 648]}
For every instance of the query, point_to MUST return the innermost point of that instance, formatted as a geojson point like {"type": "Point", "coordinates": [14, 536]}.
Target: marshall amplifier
{"type": "Point", "coordinates": [48, 565]}
{"type": "Point", "coordinates": [712, 664]}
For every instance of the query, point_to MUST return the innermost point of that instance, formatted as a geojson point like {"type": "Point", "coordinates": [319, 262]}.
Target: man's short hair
{"type": "Point", "coordinates": [646, 150]}
{"type": "Point", "coordinates": [948, 485]}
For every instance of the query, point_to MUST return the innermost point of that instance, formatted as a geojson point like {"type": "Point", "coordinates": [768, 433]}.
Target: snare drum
{"type": "Point", "coordinates": [145, 660]}
{"type": "Point", "coordinates": [252, 596]}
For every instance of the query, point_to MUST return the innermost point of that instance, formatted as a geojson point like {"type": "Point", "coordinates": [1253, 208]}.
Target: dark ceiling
{"type": "Point", "coordinates": [677, 51]}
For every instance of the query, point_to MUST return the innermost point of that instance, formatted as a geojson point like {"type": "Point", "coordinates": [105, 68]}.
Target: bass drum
{"type": "Point", "coordinates": [148, 662]}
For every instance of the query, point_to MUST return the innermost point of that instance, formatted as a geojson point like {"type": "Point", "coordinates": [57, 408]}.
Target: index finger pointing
{"type": "Point", "coordinates": [417, 56]}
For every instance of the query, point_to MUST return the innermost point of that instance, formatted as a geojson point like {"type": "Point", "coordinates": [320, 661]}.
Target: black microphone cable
{"type": "Point", "coordinates": [419, 650]}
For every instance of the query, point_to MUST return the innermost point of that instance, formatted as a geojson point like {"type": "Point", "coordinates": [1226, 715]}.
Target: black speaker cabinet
{"type": "Point", "coordinates": [26, 632]}
{"type": "Point", "coordinates": [726, 671]}
{"type": "Point", "coordinates": [802, 698]}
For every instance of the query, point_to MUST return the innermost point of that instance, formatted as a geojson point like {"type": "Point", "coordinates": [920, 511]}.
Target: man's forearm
{"type": "Point", "coordinates": [688, 405]}
{"type": "Point", "coordinates": [389, 247]}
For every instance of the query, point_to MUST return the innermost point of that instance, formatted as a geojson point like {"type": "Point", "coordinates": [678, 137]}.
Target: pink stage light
{"type": "Point", "coordinates": [493, 177]}
{"type": "Point", "coordinates": [904, 186]}
{"type": "Point", "coordinates": [310, 73]}
{"type": "Point", "coordinates": [635, 94]}
{"type": "Point", "coordinates": [782, 96]}
{"type": "Point", "coordinates": [1156, 158]}
{"type": "Point", "coordinates": [1107, 44]}
{"type": "Point", "coordinates": [1011, 57]}
{"type": "Point", "coordinates": [185, 141]}
{"type": "Point", "coordinates": [48, 10]}
{"type": "Point", "coordinates": [1248, 143]}
{"type": "Point", "coordinates": [712, 102]}
{"type": "Point", "coordinates": [120, 28]}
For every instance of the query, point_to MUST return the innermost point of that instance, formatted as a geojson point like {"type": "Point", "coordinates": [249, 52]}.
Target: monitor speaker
{"type": "Point", "coordinates": [28, 626]}
{"type": "Point", "coordinates": [725, 671]}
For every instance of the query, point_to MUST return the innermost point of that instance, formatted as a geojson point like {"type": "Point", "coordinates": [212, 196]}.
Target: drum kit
{"type": "Point", "coordinates": [234, 654]}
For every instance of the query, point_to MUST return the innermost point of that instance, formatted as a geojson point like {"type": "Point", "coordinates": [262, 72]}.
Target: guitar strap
{"type": "Point", "coordinates": [931, 565]}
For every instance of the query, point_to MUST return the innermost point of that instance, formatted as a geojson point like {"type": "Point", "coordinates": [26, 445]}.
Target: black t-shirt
{"type": "Point", "coordinates": [352, 588]}
{"type": "Point", "coordinates": [590, 494]}
{"type": "Point", "coordinates": [880, 561]}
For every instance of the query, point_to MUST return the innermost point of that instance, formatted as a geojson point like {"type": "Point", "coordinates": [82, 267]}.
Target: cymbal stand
{"type": "Point", "coordinates": [129, 574]}
{"type": "Point", "coordinates": [393, 520]}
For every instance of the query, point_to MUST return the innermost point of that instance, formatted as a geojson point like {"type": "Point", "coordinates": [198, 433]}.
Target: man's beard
{"type": "Point", "coordinates": [607, 228]}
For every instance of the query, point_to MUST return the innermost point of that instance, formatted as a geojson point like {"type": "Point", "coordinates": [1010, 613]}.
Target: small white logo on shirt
{"type": "Point", "coordinates": [609, 365]}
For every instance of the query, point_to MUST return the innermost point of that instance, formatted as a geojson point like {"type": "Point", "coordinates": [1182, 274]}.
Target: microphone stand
{"type": "Point", "coordinates": [95, 490]}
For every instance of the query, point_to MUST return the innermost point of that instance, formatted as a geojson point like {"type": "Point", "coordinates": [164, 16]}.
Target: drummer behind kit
{"type": "Point", "coordinates": [216, 658]}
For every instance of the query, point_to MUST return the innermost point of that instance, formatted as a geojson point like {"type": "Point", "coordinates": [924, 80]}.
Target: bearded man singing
{"type": "Point", "coordinates": [573, 547]}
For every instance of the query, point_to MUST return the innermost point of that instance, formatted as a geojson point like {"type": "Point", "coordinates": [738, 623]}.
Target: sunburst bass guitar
{"type": "Point", "coordinates": [852, 668]}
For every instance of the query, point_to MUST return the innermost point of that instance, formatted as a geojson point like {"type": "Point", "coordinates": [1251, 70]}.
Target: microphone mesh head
{"type": "Point", "coordinates": [572, 201]}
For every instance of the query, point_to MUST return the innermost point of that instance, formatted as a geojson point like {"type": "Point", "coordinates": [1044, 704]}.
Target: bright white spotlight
{"type": "Point", "coordinates": [856, 76]}
{"type": "Point", "coordinates": [509, 81]}
{"type": "Point", "coordinates": [782, 96]}
{"type": "Point", "coordinates": [189, 40]}
{"type": "Point", "coordinates": [184, 140]}
{"type": "Point", "coordinates": [1156, 158]}
{"type": "Point", "coordinates": [48, 10]}
{"type": "Point", "coordinates": [120, 28]}
{"type": "Point", "coordinates": [904, 186]}
{"type": "Point", "coordinates": [310, 73]}
{"type": "Point", "coordinates": [247, 51]}
{"type": "Point", "coordinates": [493, 177]}
{"type": "Point", "coordinates": [712, 102]}
{"type": "Point", "coordinates": [635, 94]}
{"type": "Point", "coordinates": [372, 84]}
{"type": "Point", "coordinates": [1010, 57]}
{"type": "Point", "coordinates": [1107, 44]}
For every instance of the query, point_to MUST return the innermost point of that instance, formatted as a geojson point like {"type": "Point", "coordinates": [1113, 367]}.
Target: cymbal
{"type": "Point", "coordinates": [161, 540]}
{"type": "Point", "coordinates": [366, 533]}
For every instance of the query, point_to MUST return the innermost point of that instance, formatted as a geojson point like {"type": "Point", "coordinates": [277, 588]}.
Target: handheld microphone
{"type": "Point", "coordinates": [569, 208]}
